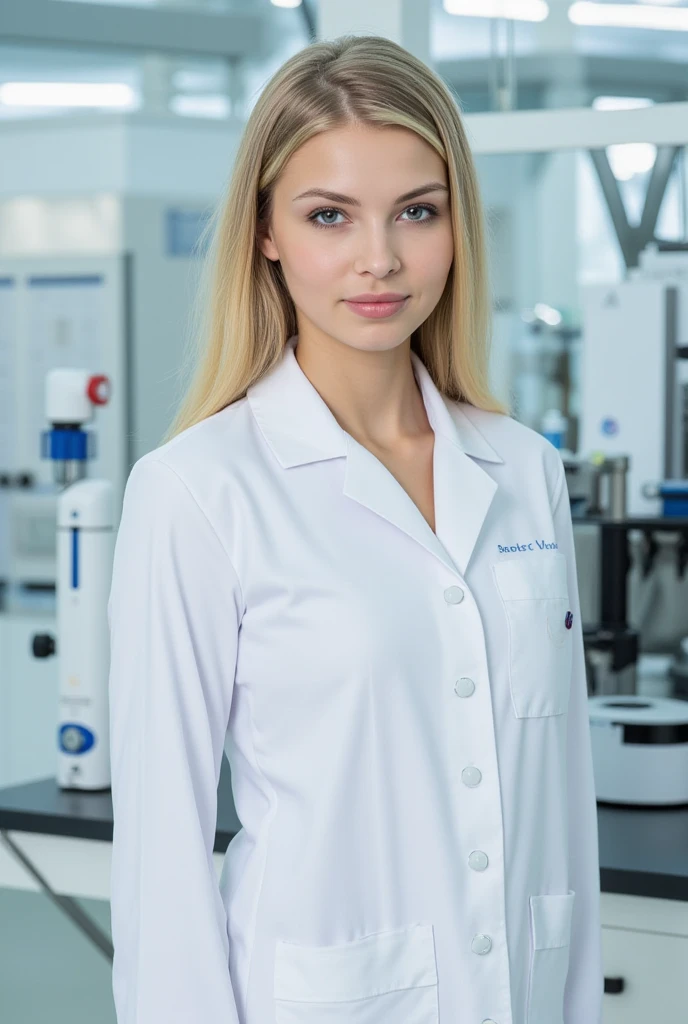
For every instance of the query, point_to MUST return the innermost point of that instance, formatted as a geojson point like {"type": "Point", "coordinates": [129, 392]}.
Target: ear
{"type": "Point", "coordinates": [265, 243]}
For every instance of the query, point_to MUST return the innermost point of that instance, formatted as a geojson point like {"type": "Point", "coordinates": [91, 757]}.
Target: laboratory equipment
{"type": "Point", "coordinates": [85, 550]}
{"type": "Point", "coordinates": [640, 750]}
{"type": "Point", "coordinates": [553, 426]}
{"type": "Point", "coordinates": [634, 410]}
{"type": "Point", "coordinates": [612, 646]}
{"type": "Point", "coordinates": [634, 371]}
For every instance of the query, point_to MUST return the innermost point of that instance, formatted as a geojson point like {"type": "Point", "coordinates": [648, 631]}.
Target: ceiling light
{"type": "Point", "coordinates": [620, 103]}
{"type": "Point", "coordinates": [631, 158]}
{"type": "Point", "coordinates": [208, 105]}
{"type": "Point", "coordinates": [67, 94]}
{"type": "Point", "coordinates": [515, 10]}
{"type": "Point", "coordinates": [649, 16]}
{"type": "Point", "coordinates": [547, 313]}
{"type": "Point", "coordinates": [286, 3]}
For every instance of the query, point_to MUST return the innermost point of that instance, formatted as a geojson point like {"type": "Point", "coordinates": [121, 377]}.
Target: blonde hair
{"type": "Point", "coordinates": [243, 312]}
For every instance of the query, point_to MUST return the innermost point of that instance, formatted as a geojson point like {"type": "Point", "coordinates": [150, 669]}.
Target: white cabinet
{"type": "Point", "coordinates": [645, 953]}
{"type": "Point", "coordinates": [28, 700]}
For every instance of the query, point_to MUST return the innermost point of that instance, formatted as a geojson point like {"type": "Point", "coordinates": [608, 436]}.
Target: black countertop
{"type": "Point", "coordinates": [643, 852]}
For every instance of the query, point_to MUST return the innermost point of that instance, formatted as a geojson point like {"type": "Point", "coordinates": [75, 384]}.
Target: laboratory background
{"type": "Point", "coordinates": [119, 123]}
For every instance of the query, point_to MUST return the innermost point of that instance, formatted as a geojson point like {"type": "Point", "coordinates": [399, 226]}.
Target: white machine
{"type": "Point", "coordinates": [634, 360]}
{"type": "Point", "coordinates": [640, 749]}
{"type": "Point", "coordinates": [85, 550]}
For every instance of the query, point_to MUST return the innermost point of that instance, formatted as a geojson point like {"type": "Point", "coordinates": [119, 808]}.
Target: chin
{"type": "Point", "coordinates": [376, 344]}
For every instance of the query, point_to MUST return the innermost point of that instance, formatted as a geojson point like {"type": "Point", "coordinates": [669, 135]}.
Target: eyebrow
{"type": "Point", "coordinates": [336, 197]}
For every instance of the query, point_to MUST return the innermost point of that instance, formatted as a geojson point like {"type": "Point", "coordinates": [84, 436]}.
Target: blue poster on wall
{"type": "Point", "coordinates": [183, 232]}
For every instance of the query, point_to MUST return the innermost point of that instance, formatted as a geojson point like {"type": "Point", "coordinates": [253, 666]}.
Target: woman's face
{"type": "Point", "coordinates": [370, 242]}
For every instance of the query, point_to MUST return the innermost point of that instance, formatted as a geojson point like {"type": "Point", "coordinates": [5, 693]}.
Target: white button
{"type": "Point", "coordinates": [464, 686]}
{"type": "Point", "coordinates": [453, 595]}
{"type": "Point", "coordinates": [481, 944]}
{"type": "Point", "coordinates": [478, 860]}
{"type": "Point", "coordinates": [471, 776]}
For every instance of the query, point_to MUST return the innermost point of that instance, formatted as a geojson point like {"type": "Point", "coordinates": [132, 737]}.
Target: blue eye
{"type": "Point", "coordinates": [428, 207]}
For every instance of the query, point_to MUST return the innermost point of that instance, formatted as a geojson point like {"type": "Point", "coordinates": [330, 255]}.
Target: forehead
{"type": "Point", "coordinates": [378, 161]}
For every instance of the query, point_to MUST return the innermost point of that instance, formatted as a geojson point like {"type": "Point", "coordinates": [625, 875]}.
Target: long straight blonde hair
{"type": "Point", "coordinates": [243, 313]}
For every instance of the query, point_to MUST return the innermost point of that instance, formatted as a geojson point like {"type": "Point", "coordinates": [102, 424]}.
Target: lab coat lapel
{"type": "Point", "coordinates": [463, 489]}
{"type": "Point", "coordinates": [463, 495]}
{"type": "Point", "coordinates": [300, 428]}
{"type": "Point", "coordinates": [370, 483]}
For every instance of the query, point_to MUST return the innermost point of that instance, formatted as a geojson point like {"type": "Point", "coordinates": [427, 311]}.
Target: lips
{"type": "Point", "coordinates": [376, 309]}
{"type": "Point", "coordinates": [370, 297]}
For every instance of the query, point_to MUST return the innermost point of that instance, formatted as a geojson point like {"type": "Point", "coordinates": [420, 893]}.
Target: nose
{"type": "Point", "coordinates": [377, 254]}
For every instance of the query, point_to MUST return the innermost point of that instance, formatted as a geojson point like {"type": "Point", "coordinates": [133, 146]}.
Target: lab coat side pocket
{"type": "Point", "coordinates": [534, 594]}
{"type": "Point", "coordinates": [550, 919]}
{"type": "Point", "coordinates": [382, 978]}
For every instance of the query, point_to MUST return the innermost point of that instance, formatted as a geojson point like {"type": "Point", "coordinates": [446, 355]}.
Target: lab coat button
{"type": "Point", "coordinates": [481, 944]}
{"type": "Point", "coordinates": [464, 686]}
{"type": "Point", "coordinates": [478, 860]}
{"type": "Point", "coordinates": [471, 776]}
{"type": "Point", "coordinates": [453, 595]}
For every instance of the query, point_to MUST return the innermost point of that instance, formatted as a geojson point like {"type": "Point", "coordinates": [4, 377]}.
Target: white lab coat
{"type": "Point", "coordinates": [405, 715]}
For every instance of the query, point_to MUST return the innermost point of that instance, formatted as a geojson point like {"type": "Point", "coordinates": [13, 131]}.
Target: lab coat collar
{"type": "Point", "coordinates": [299, 427]}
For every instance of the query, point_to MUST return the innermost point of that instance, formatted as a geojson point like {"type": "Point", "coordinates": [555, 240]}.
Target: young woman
{"type": "Point", "coordinates": [348, 567]}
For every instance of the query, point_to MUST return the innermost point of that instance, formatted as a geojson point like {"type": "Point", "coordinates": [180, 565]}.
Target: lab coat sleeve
{"type": "Point", "coordinates": [585, 981]}
{"type": "Point", "coordinates": [174, 611]}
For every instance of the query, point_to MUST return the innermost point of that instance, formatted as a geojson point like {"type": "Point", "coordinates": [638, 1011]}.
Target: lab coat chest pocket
{"type": "Point", "coordinates": [534, 593]}
{"type": "Point", "coordinates": [550, 918]}
{"type": "Point", "coordinates": [383, 978]}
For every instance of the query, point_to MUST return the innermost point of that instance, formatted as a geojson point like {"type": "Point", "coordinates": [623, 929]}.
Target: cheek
{"type": "Point", "coordinates": [432, 259]}
{"type": "Point", "coordinates": [314, 262]}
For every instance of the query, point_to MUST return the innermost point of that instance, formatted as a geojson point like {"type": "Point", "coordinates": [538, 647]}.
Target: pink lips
{"type": "Point", "coordinates": [375, 310]}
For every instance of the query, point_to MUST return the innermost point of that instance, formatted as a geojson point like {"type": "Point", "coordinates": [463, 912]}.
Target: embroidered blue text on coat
{"type": "Point", "coordinates": [542, 545]}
